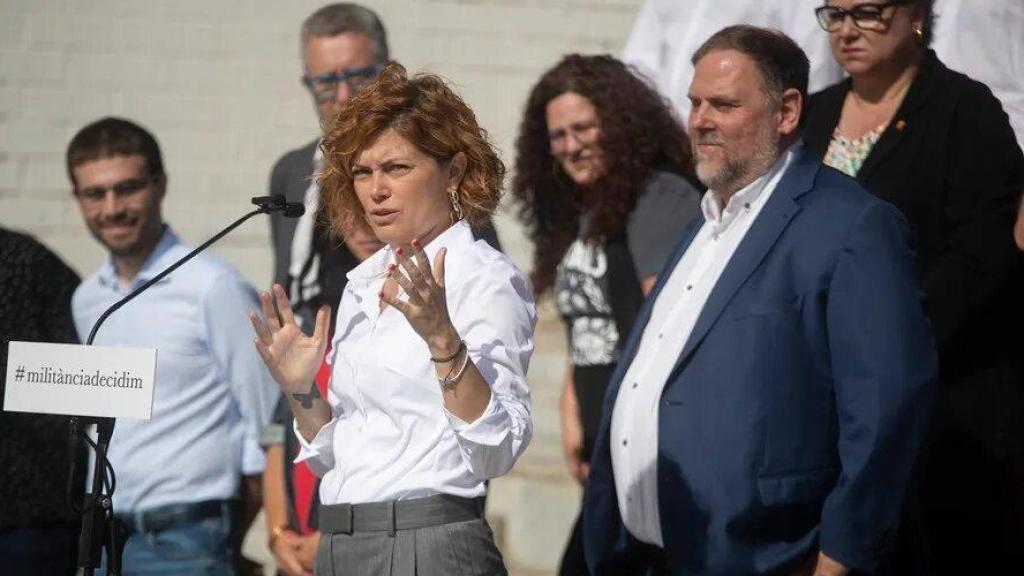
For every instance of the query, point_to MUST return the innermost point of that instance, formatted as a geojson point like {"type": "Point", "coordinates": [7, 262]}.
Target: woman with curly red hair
{"type": "Point", "coordinates": [601, 183]}
{"type": "Point", "coordinates": [427, 397]}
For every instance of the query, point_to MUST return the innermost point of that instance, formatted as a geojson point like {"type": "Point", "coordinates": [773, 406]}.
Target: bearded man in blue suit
{"type": "Point", "coordinates": [772, 397]}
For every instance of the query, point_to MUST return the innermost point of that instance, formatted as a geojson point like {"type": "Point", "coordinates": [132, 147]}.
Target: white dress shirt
{"type": "Point", "coordinates": [390, 437]}
{"type": "Point", "coordinates": [634, 431]}
{"type": "Point", "coordinates": [985, 40]}
{"type": "Point", "coordinates": [667, 33]}
{"type": "Point", "coordinates": [213, 394]}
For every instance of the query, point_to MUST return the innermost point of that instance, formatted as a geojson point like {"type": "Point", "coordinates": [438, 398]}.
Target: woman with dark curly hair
{"type": "Point", "coordinates": [601, 184]}
{"type": "Point", "coordinates": [427, 397]}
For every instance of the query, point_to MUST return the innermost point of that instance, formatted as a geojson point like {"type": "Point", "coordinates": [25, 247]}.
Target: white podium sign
{"type": "Point", "coordinates": [80, 380]}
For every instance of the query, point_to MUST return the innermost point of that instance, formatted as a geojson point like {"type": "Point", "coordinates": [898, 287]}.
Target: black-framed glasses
{"type": "Point", "coordinates": [869, 16]}
{"type": "Point", "coordinates": [325, 86]}
{"type": "Point", "coordinates": [122, 189]}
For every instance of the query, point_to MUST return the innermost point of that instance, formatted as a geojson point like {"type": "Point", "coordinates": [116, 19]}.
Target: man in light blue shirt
{"type": "Point", "coordinates": [178, 472]}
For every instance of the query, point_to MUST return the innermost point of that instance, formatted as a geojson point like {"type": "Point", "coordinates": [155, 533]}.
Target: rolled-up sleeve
{"type": "Point", "coordinates": [318, 454]}
{"type": "Point", "coordinates": [496, 316]}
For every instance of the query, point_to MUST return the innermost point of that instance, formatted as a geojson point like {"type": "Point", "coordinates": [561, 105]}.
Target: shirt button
{"type": "Point", "coordinates": [625, 442]}
{"type": "Point", "coordinates": [689, 287]}
{"type": "Point", "coordinates": [635, 384]}
{"type": "Point", "coordinates": [660, 336]}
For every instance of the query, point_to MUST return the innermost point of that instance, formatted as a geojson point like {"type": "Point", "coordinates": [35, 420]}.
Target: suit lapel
{"type": "Point", "coordinates": [760, 239]}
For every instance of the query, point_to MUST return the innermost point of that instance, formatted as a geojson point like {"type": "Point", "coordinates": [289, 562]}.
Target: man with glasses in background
{"type": "Point", "coordinates": [344, 47]}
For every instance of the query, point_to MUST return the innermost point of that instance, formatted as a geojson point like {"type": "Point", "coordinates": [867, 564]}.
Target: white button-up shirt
{"type": "Point", "coordinates": [634, 431]}
{"type": "Point", "coordinates": [213, 395]}
{"type": "Point", "coordinates": [391, 437]}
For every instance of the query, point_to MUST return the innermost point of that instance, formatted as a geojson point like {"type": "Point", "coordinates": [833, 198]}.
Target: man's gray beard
{"type": "Point", "coordinates": [734, 175]}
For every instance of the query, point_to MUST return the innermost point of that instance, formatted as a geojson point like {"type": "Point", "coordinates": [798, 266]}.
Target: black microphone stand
{"type": "Point", "coordinates": [100, 529]}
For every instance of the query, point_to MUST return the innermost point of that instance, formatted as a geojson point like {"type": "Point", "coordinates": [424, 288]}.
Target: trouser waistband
{"type": "Point", "coordinates": [398, 514]}
{"type": "Point", "coordinates": [164, 517]}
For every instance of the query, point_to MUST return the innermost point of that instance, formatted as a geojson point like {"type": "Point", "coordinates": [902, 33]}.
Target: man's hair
{"type": "Point", "coordinates": [781, 63]}
{"type": "Point", "coordinates": [426, 112]}
{"type": "Point", "coordinates": [347, 17]}
{"type": "Point", "coordinates": [110, 137]}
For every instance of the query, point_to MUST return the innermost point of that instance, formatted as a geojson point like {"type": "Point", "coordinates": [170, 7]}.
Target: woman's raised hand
{"type": "Point", "coordinates": [292, 357]}
{"type": "Point", "coordinates": [427, 307]}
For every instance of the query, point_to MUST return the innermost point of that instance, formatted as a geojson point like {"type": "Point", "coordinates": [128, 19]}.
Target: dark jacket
{"type": "Point", "coordinates": [35, 306]}
{"type": "Point", "coordinates": [950, 162]}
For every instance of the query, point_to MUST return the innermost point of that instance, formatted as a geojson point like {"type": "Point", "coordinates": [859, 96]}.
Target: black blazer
{"type": "Point", "coordinates": [291, 177]}
{"type": "Point", "coordinates": [950, 162]}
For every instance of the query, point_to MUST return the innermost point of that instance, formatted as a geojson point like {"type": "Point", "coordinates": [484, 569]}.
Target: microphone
{"type": "Point", "coordinates": [293, 210]}
{"type": "Point", "coordinates": [278, 203]}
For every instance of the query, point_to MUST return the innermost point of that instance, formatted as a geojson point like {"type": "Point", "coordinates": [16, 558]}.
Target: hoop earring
{"type": "Point", "coordinates": [456, 208]}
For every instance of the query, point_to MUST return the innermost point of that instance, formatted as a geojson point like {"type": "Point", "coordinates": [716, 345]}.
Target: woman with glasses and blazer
{"type": "Point", "coordinates": [939, 146]}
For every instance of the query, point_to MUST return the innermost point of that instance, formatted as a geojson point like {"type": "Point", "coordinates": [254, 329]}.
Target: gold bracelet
{"type": "Point", "coordinates": [276, 532]}
{"type": "Point", "coordinates": [449, 381]}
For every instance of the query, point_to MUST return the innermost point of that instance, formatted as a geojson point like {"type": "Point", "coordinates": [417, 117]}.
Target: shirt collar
{"type": "Point", "coordinates": [744, 199]}
{"type": "Point", "coordinates": [154, 264]}
{"type": "Point", "coordinates": [376, 266]}
{"type": "Point", "coordinates": [368, 277]}
{"type": "Point", "coordinates": [318, 155]}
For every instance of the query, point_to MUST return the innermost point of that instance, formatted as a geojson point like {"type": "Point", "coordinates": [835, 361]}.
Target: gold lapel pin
{"type": "Point", "coordinates": [901, 124]}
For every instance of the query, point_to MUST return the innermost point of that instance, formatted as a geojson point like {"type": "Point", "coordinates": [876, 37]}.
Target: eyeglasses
{"type": "Point", "coordinates": [582, 132]}
{"type": "Point", "coordinates": [123, 189]}
{"type": "Point", "coordinates": [865, 16]}
{"type": "Point", "coordinates": [325, 86]}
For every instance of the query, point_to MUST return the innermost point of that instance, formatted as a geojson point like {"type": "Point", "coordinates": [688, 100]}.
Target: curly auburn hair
{"type": "Point", "coordinates": [430, 115]}
{"type": "Point", "coordinates": [638, 135]}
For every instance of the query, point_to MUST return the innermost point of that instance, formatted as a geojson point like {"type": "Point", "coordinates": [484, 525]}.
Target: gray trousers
{"type": "Point", "coordinates": [435, 536]}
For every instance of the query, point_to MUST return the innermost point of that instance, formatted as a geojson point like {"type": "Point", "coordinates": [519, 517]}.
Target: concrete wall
{"type": "Point", "coordinates": [218, 83]}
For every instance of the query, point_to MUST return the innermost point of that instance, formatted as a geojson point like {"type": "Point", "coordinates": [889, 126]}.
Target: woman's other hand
{"type": "Point", "coordinates": [292, 357]}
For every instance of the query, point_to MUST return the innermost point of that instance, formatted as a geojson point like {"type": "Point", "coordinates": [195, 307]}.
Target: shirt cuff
{"type": "Point", "coordinates": [253, 457]}
{"type": "Point", "coordinates": [491, 428]}
{"type": "Point", "coordinates": [317, 453]}
{"type": "Point", "coordinates": [273, 434]}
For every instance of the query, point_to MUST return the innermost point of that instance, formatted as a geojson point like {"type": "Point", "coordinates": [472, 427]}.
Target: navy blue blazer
{"type": "Point", "coordinates": [797, 407]}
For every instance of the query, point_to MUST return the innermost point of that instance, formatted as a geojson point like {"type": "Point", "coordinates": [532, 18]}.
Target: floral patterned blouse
{"type": "Point", "coordinates": [848, 154]}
